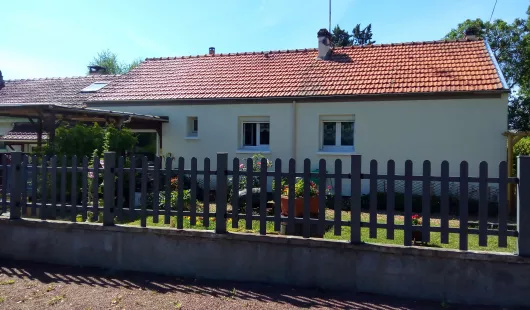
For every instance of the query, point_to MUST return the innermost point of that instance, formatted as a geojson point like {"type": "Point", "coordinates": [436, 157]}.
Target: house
{"type": "Point", "coordinates": [25, 103]}
{"type": "Point", "coordinates": [437, 100]}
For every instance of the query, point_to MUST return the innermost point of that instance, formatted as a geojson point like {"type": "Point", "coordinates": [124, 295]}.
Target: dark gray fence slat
{"type": "Point", "coordinates": [156, 188]}
{"type": "Point", "coordinates": [95, 190]}
{"type": "Point", "coordinates": [307, 198]}
{"type": "Point", "coordinates": [44, 187]}
{"type": "Point", "coordinates": [143, 195]}
{"type": "Point", "coordinates": [235, 193]}
{"type": "Point", "coordinates": [193, 192]}
{"type": "Point", "coordinates": [248, 208]}
{"type": "Point", "coordinates": [408, 203]}
{"type": "Point", "coordinates": [53, 184]}
{"type": "Point", "coordinates": [221, 190]}
{"type": "Point", "coordinates": [206, 201]}
{"type": "Point", "coordinates": [373, 198]}
{"type": "Point", "coordinates": [24, 185]}
{"type": "Point", "coordinates": [464, 195]}
{"type": "Point", "coordinates": [337, 229]}
{"type": "Point", "coordinates": [483, 204]}
{"type": "Point", "coordinates": [120, 198]}
{"type": "Point", "coordinates": [322, 196]}
{"type": "Point", "coordinates": [132, 188]}
{"type": "Point", "coordinates": [167, 191]}
{"type": "Point", "coordinates": [16, 186]}
{"type": "Point", "coordinates": [180, 194]}
{"type": "Point", "coordinates": [34, 184]}
{"type": "Point", "coordinates": [74, 189]}
{"type": "Point", "coordinates": [390, 199]}
{"type": "Point", "coordinates": [426, 202]}
{"type": "Point", "coordinates": [355, 223]}
{"type": "Point", "coordinates": [4, 182]}
{"type": "Point", "coordinates": [84, 188]}
{"type": "Point", "coordinates": [503, 204]}
{"type": "Point", "coordinates": [444, 203]}
{"type": "Point", "coordinates": [291, 196]}
{"type": "Point", "coordinates": [263, 197]}
{"type": "Point", "coordinates": [109, 184]}
{"type": "Point", "coordinates": [277, 194]}
{"type": "Point", "coordinates": [64, 164]}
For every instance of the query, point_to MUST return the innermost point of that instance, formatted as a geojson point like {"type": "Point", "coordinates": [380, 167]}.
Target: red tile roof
{"type": "Point", "coordinates": [426, 67]}
{"type": "Point", "coordinates": [22, 132]}
{"type": "Point", "coordinates": [64, 91]}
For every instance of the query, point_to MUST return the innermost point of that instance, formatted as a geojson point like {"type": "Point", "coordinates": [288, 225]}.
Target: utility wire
{"type": "Point", "coordinates": [493, 10]}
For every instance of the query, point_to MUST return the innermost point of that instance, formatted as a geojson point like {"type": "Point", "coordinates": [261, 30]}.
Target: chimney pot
{"type": "Point", "coordinates": [2, 82]}
{"type": "Point", "coordinates": [96, 70]}
{"type": "Point", "coordinates": [324, 44]}
{"type": "Point", "coordinates": [471, 33]}
{"type": "Point", "coordinates": [211, 50]}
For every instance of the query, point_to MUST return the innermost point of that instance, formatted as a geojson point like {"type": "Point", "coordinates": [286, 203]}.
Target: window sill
{"type": "Point", "coordinates": [336, 153]}
{"type": "Point", "coordinates": [191, 137]}
{"type": "Point", "coordinates": [253, 151]}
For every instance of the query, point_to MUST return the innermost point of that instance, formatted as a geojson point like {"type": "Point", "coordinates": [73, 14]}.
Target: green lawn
{"type": "Point", "coordinates": [345, 232]}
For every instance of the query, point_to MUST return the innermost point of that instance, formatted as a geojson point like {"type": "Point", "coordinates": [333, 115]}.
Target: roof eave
{"type": "Point", "coordinates": [301, 98]}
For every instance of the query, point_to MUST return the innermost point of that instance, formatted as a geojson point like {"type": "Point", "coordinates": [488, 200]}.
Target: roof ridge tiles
{"type": "Point", "coordinates": [63, 78]}
{"type": "Point", "coordinates": [299, 50]}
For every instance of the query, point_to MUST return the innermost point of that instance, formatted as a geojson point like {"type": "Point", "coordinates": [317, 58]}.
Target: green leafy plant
{"type": "Point", "coordinates": [299, 189]}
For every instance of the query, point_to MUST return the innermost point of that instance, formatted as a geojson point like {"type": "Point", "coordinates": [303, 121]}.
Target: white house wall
{"type": "Point", "coordinates": [435, 130]}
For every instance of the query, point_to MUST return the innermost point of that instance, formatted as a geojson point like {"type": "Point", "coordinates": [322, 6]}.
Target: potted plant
{"type": "Point", "coordinates": [299, 198]}
{"type": "Point", "coordinates": [416, 232]}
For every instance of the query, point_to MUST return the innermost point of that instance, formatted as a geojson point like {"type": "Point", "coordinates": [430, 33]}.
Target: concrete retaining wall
{"type": "Point", "coordinates": [421, 273]}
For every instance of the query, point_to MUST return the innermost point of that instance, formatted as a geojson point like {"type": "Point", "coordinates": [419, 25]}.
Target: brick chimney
{"type": "Point", "coordinates": [471, 33]}
{"type": "Point", "coordinates": [2, 83]}
{"type": "Point", "coordinates": [96, 70]}
{"type": "Point", "coordinates": [324, 44]}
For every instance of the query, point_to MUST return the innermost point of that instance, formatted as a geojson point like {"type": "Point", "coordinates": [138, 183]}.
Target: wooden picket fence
{"type": "Point", "coordinates": [39, 187]}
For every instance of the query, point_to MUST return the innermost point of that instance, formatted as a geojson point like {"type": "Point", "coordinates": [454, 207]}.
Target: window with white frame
{"type": "Point", "coordinates": [193, 126]}
{"type": "Point", "coordinates": [337, 133]}
{"type": "Point", "coordinates": [255, 133]}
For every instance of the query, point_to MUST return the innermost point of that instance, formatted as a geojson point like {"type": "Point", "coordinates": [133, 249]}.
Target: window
{"type": "Point", "coordinates": [337, 134]}
{"type": "Point", "coordinates": [255, 135]}
{"type": "Point", "coordinates": [193, 127]}
{"type": "Point", "coordinates": [94, 87]}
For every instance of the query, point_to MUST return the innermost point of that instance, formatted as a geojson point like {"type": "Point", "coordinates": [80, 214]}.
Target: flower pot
{"type": "Point", "coordinates": [416, 236]}
{"type": "Point", "coordinates": [299, 206]}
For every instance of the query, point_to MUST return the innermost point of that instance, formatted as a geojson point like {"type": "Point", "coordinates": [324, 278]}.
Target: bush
{"type": "Point", "coordinates": [522, 147]}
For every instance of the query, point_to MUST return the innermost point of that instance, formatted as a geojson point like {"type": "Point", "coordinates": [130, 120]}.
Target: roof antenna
{"type": "Point", "coordinates": [329, 15]}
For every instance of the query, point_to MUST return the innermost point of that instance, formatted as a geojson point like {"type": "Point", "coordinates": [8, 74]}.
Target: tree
{"type": "Point", "coordinates": [510, 43]}
{"type": "Point", "coordinates": [109, 61]}
{"type": "Point", "coordinates": [340, 37]}
{"type": "Point", "coordinates": [362, 37]}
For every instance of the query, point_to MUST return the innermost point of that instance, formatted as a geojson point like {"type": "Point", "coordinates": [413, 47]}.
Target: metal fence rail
{"type": "Point", "coordinates": [105, 190]}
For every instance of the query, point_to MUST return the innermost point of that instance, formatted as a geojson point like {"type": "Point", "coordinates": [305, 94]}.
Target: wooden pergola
{"type": "Point", "coordinates": [512, 138]}
{"type": "Point", "coordinates": [46, 118]}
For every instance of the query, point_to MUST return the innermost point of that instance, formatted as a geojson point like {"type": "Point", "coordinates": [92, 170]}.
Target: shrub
{"type": "Point", "coordinates": [522, 147]}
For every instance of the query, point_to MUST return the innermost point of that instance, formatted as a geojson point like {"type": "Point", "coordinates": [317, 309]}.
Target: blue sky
{"type": "Point", "coordinates": [59, 38]}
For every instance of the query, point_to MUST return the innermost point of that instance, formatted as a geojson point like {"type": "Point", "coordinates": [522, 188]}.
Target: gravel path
{"type": "Point", "coordinates": [40, 286]}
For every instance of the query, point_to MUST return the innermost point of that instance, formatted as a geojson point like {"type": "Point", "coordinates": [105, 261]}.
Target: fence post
{"type": "Point", "coordinates": [523, 205]}
{"type": "Point", "coordinates": [15, 189]}
{"type": "Point", "coordinates": [221, 193]}
{"type": "Point", "coordinates": [109, 165]}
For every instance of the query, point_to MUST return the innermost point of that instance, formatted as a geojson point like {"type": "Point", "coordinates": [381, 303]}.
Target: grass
{"type": "Point", "coordinates": [492, 244]}
{"type": "Point", "coordinates": [7, 282]}
{"type": "Point", "coordinates": [346, 232]}
{"type": "Point", "coordinates": [57, 299]}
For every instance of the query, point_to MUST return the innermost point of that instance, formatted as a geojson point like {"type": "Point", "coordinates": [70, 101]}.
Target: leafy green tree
{"type": "Point", "coordinates": [110, 62]}
{"type": "Point", "coordinates": [362, 37]}
{"type": "Point", "coordinates": [340, 37]}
